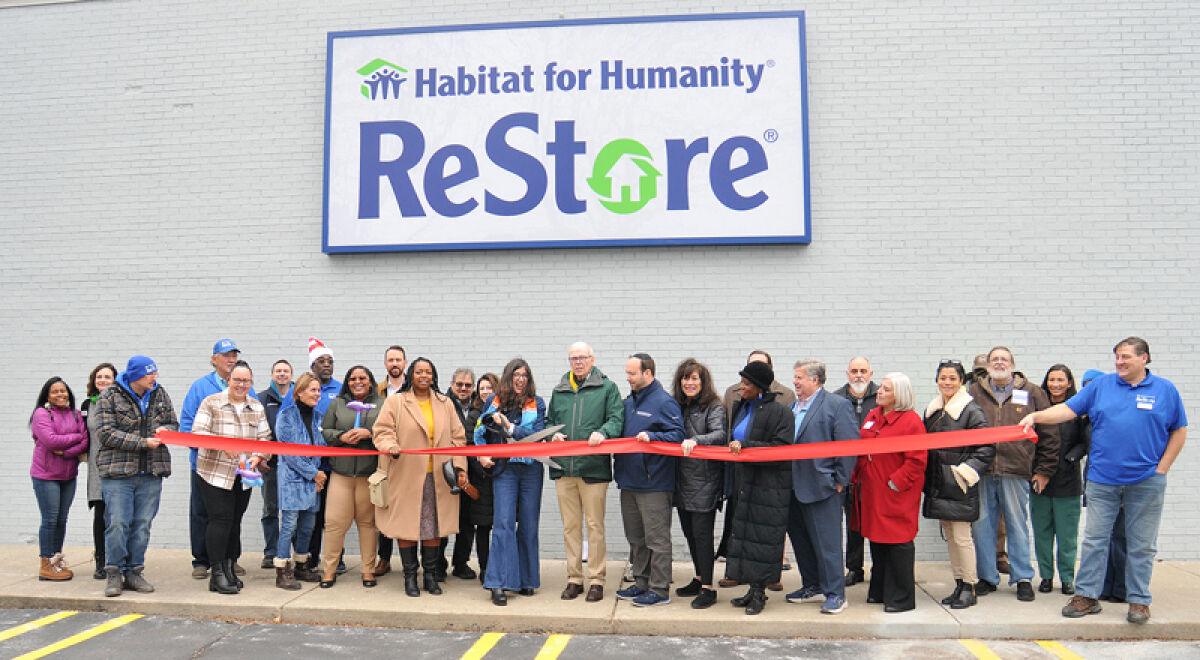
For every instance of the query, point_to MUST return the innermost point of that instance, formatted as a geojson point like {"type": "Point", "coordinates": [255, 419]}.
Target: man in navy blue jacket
{"type": "Point", "coordinates": [647, 483]}
{"type": "Point", "coordinates": [818, 485]}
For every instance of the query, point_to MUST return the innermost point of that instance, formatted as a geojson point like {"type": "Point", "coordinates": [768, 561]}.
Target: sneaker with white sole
{"type": "Point", "coordinates": [806, 595]}
{"type": "Point", "coordinates": [650, 599]}
{"type": "Point", "coordinates": [833, 605]}
{"type": "Point", "coordinates": [629, 593]}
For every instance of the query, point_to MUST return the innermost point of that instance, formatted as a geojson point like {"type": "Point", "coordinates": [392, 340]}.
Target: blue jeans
{"type": "Point", "coordinates": [1143, 510]}
{"type": "Point", "coordinates": [54, 501]}
{"type": "Point", "coordinates": [1008, 497]}
{"type": "Point", "coordinates": [296, 525]}
{"type": "Point", "coordinates": [130, 505]}
{"type": "Point", "coordinates": [513, 561]}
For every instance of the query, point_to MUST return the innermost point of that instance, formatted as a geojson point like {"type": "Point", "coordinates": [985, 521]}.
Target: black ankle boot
{"type": "Point", "coordinates": [408, 560]}
{"type": "Point", "coordinates": [755, 600]}
{"type": "Point", "coordinates": [230, 575]}
{"type": "Point", "coordinates": [219, 582]}
{"type": "Point", "coordinates": [965, 599]}
{"type": "Point", "coordinates": [431, 557]}
{"type": "Point", "coordinates": [959, 585]}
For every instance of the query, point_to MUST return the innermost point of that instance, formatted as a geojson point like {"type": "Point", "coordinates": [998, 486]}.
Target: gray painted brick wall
{"type": "Point", "coordinates": [1021, 174]}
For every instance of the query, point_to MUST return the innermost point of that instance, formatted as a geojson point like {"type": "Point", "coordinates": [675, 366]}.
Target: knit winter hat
{"type": "Point", "coordinates": [316, 349]}
{"type": "Point", "coordinates": [140, 366]}
{"type": "Point", "coordinates": [759, 374]}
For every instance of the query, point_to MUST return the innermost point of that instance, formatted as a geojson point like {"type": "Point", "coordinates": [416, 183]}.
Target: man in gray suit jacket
{"type": "Point", "coordinates": [815, 514]}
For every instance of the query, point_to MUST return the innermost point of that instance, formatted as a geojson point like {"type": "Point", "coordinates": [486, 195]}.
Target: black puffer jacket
{"type": "Point", "coordinates": [700, 483]}
{"type": "Point", "coordinates": [1074, 438]}
{"type": "Point", "coordinates": [764, 494]}
{"type": "Point", "coordinates": [944, 500]}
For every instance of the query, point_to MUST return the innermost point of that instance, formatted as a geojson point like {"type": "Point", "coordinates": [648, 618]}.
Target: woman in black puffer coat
{"type": "Point", "coordinates": [699, 483]}
{"type": "Point", "coordinates": [952, 475]}
{"type": "Point", "coordinates": [765, 488]}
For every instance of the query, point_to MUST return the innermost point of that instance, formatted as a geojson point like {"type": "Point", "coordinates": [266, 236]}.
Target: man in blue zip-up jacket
{"type": "Point", "coordinates": [647, 483]}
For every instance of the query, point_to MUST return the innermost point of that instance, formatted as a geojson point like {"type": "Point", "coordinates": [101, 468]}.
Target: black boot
{"type": "Point", "coordinates": [959, 585]}
{"type": "Point", "coordinates": [100, 574]}
{"type": "Point", "coordinates": [756, 600]}
{"type": "Point", "coordinates": [219, 582]}
{"type": "Point", "coordinates": [230, 575]}
{"type": "Point", "coordinates": [431, 556]}
{"type": "Point", "coordinates": [408, 559]}
{"type": "Point", "coordinates": [965, 599]}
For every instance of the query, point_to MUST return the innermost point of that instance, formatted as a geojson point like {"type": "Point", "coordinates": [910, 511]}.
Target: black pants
{"type": "Point", "coordinates": [854, 543]}
{"type": "Point", "coordinates": [197, 522]}
{"type": "Point", "coordinates": [697, 528]}
{"type": "Point", "coordinates": [892, 580]}
{"type": "Point", "coordinates": [384, 553]}
{"type": "Point", "coordinates": [314, 545]}
{"type": "Point", "coordinates": [98, 530]}
{"type": "Point", "coordinates": [223, 535]}
{"type": "Point", "coordinates": [466, 533]}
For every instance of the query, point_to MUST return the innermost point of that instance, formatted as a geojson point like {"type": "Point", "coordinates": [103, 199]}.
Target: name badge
{"type": "Point", "coordinates": [1145, 402]}
{"type": "Point", "coordinates": [643, 413]}
{"type": "Point", "coordinates": [869, 424]}
{"type": "Point", "coordinates": [1020, 397]}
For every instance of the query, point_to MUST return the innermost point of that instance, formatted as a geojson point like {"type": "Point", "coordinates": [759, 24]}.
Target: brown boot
{"type": "Point", "coordinates": [284, 577]}
{"type": "Point", "coordinates": [53, 570]}
{"type": "Point", "coordinates": [382, 567]}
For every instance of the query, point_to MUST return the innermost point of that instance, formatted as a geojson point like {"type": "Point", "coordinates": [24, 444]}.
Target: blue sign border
{"type": "Point", "coordinates": [804, 238]}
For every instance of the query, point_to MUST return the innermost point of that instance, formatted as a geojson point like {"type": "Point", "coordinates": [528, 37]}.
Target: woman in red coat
{"type": "Point", "coordinates": [890, 496]}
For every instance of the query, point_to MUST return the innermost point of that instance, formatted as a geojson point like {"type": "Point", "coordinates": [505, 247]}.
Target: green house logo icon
{"type": "Point", "coordinates": [382, 79]}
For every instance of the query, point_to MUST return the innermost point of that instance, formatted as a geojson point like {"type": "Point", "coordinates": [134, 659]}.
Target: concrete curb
{"type": "Point", "coordinates": [466, 607]}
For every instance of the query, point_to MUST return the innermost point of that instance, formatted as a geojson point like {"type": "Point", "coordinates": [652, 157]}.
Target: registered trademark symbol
{"type": "Point", "coordinates": [770, 135]}
{"type": "Point", "coordinates": [770, 63]}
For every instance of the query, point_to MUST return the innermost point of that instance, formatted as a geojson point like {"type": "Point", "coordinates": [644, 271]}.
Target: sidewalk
{"type": "Point", "coordinates": [465, 606]}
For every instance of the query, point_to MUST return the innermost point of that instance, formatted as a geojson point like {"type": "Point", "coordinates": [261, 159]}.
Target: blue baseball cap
{"type": "Point", "coordinates": [224, 346]}
{"type": "Point", "coordinates": [140, 366]}
{"type": "Point", "coordinates": [1090, 374]}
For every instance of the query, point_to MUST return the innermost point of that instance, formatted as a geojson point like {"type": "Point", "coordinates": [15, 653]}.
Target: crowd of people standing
{"type": "Point", "coordinates": [1129, 424]}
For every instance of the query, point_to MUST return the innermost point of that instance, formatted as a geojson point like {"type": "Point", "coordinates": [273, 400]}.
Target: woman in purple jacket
{"type": "Point", "coordinates": [59, 438]}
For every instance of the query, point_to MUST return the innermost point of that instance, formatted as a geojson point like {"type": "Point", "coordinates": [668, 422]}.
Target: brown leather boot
{"type": "Point", "coordinates": [284, 577]}
{"type": "Point", "coordinates": [54, 571]}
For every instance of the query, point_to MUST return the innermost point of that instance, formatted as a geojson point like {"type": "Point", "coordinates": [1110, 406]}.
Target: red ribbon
{"type": "Point", "coordinates": [884, 445]}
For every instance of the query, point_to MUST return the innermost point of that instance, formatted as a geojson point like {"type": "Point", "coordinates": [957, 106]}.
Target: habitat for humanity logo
{"type": "Point", "coordinates": [622, 167]}
{"type": "Point", "coordinates": [382, 79]}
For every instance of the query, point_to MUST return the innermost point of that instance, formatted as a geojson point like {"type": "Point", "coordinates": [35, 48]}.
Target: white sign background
{"type": "Point", "coordinates": [774, 115]}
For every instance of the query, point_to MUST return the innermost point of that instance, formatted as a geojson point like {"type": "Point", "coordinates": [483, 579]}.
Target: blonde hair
{"type": "Point", "coordinates": [304, 379]}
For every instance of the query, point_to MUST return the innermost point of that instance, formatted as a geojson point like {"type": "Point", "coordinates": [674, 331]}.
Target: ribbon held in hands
{"type": "Point", "coordinates": [885, 445]}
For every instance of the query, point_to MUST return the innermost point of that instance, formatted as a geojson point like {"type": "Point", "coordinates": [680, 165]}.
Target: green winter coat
{"type": "Point", "coordinates": [596, 406]}
{"type": "Point", "coordinates": [339, 419]}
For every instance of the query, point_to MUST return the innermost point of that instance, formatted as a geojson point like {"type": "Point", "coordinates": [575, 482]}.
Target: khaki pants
{"type": "Point", "coordinates": [962, 550]}
{"type": "Point", "coordinates": [349, 499]}
{"type": "Point", "coordinates": [576, 499]}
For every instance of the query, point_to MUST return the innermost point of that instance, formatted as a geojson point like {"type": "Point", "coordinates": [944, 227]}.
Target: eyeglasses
{"type": "Point", "coordinates": [949, 363]}
{"type": "Point", "coordinates": [578, 359]}
{"type": "Point", "coordinates": [522, 376]}
{"type": "Point", "coordinates": [462, 384]}
{"type": "Point", "coordinates": [999, 359]}
{"type": "Point", "coordinates": [242, 381]}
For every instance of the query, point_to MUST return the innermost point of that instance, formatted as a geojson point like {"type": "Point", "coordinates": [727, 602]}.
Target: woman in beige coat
{"type": "Point", "coordinates": [420, 506]}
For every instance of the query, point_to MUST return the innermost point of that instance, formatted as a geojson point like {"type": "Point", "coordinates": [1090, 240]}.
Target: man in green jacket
{"type": "Point", "coordinates": [589, 406]}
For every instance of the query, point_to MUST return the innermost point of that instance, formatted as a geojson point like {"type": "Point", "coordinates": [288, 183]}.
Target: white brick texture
{"type": "Point", "coordinates": [1015, 173]}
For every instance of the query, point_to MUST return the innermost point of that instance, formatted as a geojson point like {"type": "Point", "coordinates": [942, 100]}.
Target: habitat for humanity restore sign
{"type": "Point", "coordinates": [638, 131]}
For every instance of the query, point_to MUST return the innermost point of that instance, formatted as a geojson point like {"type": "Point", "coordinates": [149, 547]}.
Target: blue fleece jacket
{"type": "Point", "coordinates": [652, 410]}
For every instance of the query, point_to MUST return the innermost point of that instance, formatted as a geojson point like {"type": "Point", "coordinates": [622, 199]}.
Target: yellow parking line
{"type": "Point", "coordinates": [33, 625]}
{"type": "Point", "coordinates": [980, 649]}
{"type": "Point", "coordinates": [553, 647]}
{"type": "Point", "coordinates": [75, 639]}
{"type": "Point", "coordinates": [481, 647]}
{"type": "Point", "coordinates": [1060, 651]}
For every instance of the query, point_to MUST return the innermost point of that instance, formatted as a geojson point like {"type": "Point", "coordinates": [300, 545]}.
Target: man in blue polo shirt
{"type": "Point", "coordinates": [1138, 429]}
